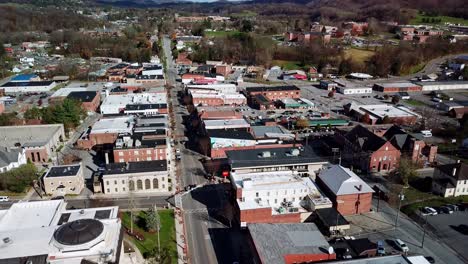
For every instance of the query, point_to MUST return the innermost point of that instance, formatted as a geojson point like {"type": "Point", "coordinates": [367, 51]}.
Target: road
{"type": "Point", "coordinates": [204, 207]}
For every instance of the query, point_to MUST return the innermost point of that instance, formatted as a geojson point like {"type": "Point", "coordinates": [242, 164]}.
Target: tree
{"type": "Point", "coordinates": [33, 113]}
{"type": "Point", "coordinates": [406, 171]}
{"type": "Point", "coordinates": [246, 26]}
{"type": "Point", "coordinates": [395, 99]}
{"type": "Point", "coordinates": [302, 123]}
{"type": "Point", "coordinates": [153, 222]}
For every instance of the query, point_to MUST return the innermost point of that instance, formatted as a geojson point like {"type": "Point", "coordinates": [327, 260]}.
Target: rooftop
{"type": "Point", "coordinates": [231, 134]}
{"type": "Point", "coordinates": [8, 156]}
{"type": "Point", "coordinates": [83, 96]}
{"type": "Point", "coordinates": [135, 167]}
{"type": "Point", "coordinates": [228, 123]}
{"type": "Point", "coordinates": [63, 92]}
{"type": "Point", "coordinates": [63, 171]}
{"type": "Point", "coordinates": [275, 241]}
{"type": "Point", "coordinates": [113, 125]}
{"type": "Point", "coordinates": [272, 88]}
{"type": "Point", "coordinates": [342, 181]}
{"type": "Point", "coordinates": [457, 170]}
{"type": "Point", "coordinates": [271, 132]}
{"type": "Point", "coordinates": [30, 84]}
{"type": "Point", "coordinates": [272, 157]}
{"type": "Point", "coordinates": [383, 110]}
{"type": "Point", "coordinates": [397, 84]}
{"type": "Point", "coordinates": [28, 136]}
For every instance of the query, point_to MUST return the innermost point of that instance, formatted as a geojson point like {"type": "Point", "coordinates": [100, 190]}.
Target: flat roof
{"type": "Point", "coordinates": [113, 125]}
{"type": "Point", "coordinates": [63, 92]}
{"type": "Point", "coordinates": [29, 84]}
{"type": "Point", "coordinates": [272, 88]}
{"type": "Point", "coordinates": [83, 96]}
{"type": "Point", "coordinates": [272, 157]}
{"type": "Point", "coordinates": [219, 124]}
{"type": "Point", "coordinates": [383, 110]}
{"type": "Point", "coordinates": [121, 100]}
{"type": "Point", "coordinates": [63, 171]}
{"type": "Point", "coordinates": [135, 167]}
{"type": "Point", "coordinates": [28, 136]}
{"type": "Point", "coordinates": [397, 84]}
{"type": "Point", "coordinates": [231, 134]}
{"type": "Point", "coordinates": [442, 83]}
{"type": "Point", "coordinates": [274, 241]}
{"type": "Point", "coordinates": [331, 217]}
{"type": "Point", "coordinates": [270, 132]}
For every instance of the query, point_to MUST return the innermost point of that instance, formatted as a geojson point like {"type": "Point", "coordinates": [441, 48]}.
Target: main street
{"type": "Point", "coordinates": [202, 207]}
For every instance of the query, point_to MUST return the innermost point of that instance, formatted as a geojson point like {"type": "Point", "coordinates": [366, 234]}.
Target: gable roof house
{"type": "Point", "coordinates": [413, 145]}
{"type": "Point", "coordinates": [366, 151]}
{"type": "Point", "coordinates": [11, 158]}
{"type": "Point", "coordinates": [451, 180]}
{"type": "Point", "coordinates": [349, 193]}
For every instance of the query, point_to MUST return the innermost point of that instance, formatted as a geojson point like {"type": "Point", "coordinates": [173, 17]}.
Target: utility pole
{"type": "Point", "coordinates": [424, 230]}
{"type": "Point", "coordinates": [131, 202]}
{"type": "Point", "coordinates": [401, 197]}
{"type": "Point", "coordinates": [158, 227]}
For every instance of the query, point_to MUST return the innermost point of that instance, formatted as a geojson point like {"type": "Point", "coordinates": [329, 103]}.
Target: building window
{"type": "Point", "coordinates": [162, 179]}
{"type": "Point", "coordinates": [155, 184]}
{"type": "Point", "coordinates": [115, 182]}
{"type": "Point", "coordinates": [108, 190]}
{"type": "Point", "coordinates": [123, 189]}
{"type": "Point", "coordinates": [164, 186]}
{"type": "Point", "coordinates": [116, 190]}
{"type": "Point", "coordinates": [276, 201]}
{"type": "Point", "coordinates": [123, 181]}
{"type": "Point", "coordinates": [120, 153]}
{"type": "Point", "coordinates": [131, 185]}
{"type": "Point", "coordinates": [107, 182]}
{"type": "Point", "coordinates": [139, 185]}
{"type": "Point", "coordinates": [148, 151]}
{"type": "Point", "coordinates": [121, 160]}
{"type": "Point", "coordinates": [147, 184]}
{"type": "Point", "coordinates": [148, 158]}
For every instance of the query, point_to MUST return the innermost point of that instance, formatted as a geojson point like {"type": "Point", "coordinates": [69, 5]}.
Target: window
{"type": "Point", "coordinates": [155, 184]}
{"type": "Point", "coordinates": [131, 185]}
{"type": "Point", "coordinates": [120, 153]}
{"type": "Point", "coordinates": [123, 181]}
{"type": "Point", "coordinates": [123, 189]}
{"type": "Point", "coordinates": [139, 185]}
{"type": "Point", "coordinates": [276, 201]}
{"type": "Point", "coordinates": [147, 184]}
{"type": "Point", "coordinates": [162, 179]}
{"type": "Point", "coordinates": [148, 151]}
{"type": "Point", "coordinates": [148, 158]}
{"type": "Point", "coordinates": [116, 190]}
{"type": "Point", "coordinates": [115, 182]}
{"type": "Point", "coordinates": [121, 160]}
{"type": "Point", "coordinates": [135, 152]}
{"type": "Point", "coordinates": [108, 190]}
{"type": "Point", "coordinates": [107, 182]}
{"type": "Point", "coordinates": [256, 194]}
{"type": "Point", "coordinates": [164, 186]}
{"type": "Point", "coordinates": [268, 193]}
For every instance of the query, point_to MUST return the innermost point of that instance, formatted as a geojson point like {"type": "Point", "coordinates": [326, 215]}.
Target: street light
{"type": "Point", "coordinates": [401, 197]}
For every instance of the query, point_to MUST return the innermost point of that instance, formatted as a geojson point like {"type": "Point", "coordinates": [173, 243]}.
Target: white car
{"type": "Point", "coordinates": [401, 245]}
{"type": "Point", "coordinates": [431, 210]}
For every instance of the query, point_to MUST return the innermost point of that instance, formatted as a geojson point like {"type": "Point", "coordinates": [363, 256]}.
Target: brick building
{"type": "Point", "coordinates": [366, 151]}
{"type": "Point", "coordinates": [140, 148]}
{"type": "Point", "coordinates": [396, 87]}
{"type": "Point", "coordinates": [382, 113]}
{"type": "Point", "coordinates": [274, 93]}
{"type": "Point", "coordinates": [90, 100]}
{"type": "Point", "coordinates": [349, 193]}
{"type": "Point", "coordinates": [289, 244]}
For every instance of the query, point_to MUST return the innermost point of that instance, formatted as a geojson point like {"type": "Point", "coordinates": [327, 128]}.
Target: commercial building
{"type": "Point", "coordinates": [223, 138]}
{"type": "Point", "coordinates": [354, 90]}
{"type": "Point", "coordinates": [63, 180]}
{"type": "Point", "coordinates": [11, 158]}
{"type": "Point", "coordinates": [396, 87]}
{"type": "Point", "coordinates": [273, 197]}
{"type": "Point", "coordinates": [152, 70]}
{"type": "Point", "coordinates": [214, 98]}
{"type": "Point", "coordinates": [274, 93]}
{"type": "Point", "coordinates": [141, 147]}
{"type": "Point", "coordinates": [28, 87]}
{"type": "Point", "coordinates": [39, 141]}
{"type": "Point", "coordinates": [226, 124]}
{"type": "Point", "coordinates": [216, 115]}
{"type": "Point", "coordinates": [289, 103]}
{"type": "Point", "coordinates": [136, 177]}
{"type": "Point", "coordinates": [105, 131]}
{"type": "Point", "coordinates": [139, 103]}
{"type": "Point", "coordinates": [448, 85]}
{"type": "Point", "coordinates": [349, 193]}
{"type": "Point", "coordinates": [328, 85]}
{"type": "Point", "coordinates": [399, 115]}
{"type": "Point", "coordinates": [225, 88]}
{"type": "Point", "coordinates": [451, 180]}
{"type": "Point", "coordinates": [89, 100]}
{"type": "Point", "coordinates": [46, 232]}
{"type": "Point", "coordinates": [302, 160]}
{"type": "Point", "coordinates": [289, 244]}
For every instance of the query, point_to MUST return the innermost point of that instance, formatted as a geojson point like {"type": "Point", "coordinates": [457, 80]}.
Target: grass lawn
{"type": "Point", "coordinates": [438, 201]}
{"type": "Point", "coordinates": [167, 233]}
{"type": "Point", "coordinates": [359, 55]}
{"type": "Point", "coordinates": [414, 102]}
{"type": "Point", "coordinates": [220, 33]}
{"type": "Point", "coordinates": [415, 69]}
{"type": "Point", "coordinates": [288, 65]}
{"type": "Point", "coordinates": [418, 19]}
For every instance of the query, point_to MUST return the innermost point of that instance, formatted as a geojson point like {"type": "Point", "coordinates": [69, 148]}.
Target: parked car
{"type": "Point", "coordinates": [430, 259]}
{"type": "Point", "coordinates": [380, 248]}
{"type": "Point", "coordinates": [425, 212]}
{"type": "Point", "coordinates": [4, 199]}
{"type": "Point", "coordinates": [401, 245]}
{"type": "Point", "coordinates": [446, 210]}
{"type": "Point", "coordinates": [431, 210]}
{"type": "Point", "coordinates": [452, 206]}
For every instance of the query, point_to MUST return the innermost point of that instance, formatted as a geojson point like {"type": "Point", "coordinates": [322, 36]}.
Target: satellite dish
{"type": "Point", "coordinates": [331, 250]}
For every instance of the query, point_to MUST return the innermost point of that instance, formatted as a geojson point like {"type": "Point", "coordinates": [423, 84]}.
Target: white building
{"type": "Point", "coordinates": [451, 180]}
{"type": "Point", "coordinates": [436, 86]}
{"type": "Point", "coordinates": [226, 88]}
{"type": "Point", "coordinates": [64, 179]}
{"type": "Point", "coordinates": [117, 103]}
{"type": "Point", "coordinates": [28, 87]}
{"type": "Point", "coordinates": [136, 177]}
{"type": "Point", "coordinates": [46, 232]}
{"type": "Point", "coordinates": [11, 158]}
{"type": "Point", "coordinates": [354, 90]}
{"type": "Point", "coordinates": [118, 125]}
{"type": "Point", "coordinates": [153, 70]}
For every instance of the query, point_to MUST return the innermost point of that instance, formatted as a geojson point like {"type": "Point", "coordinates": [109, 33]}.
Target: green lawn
{"type": "Point", "coordinates": [288, 65]}
{"type": "Point", "coordinates": [220, 33]}
{"type": "Point", "coordinates": [167, 233]}
{"type": "Point", "coordinates": [443, 19]}
{"type": "Point", "coordinates": [359, 55]}
{"type": "Point", "coordinates": [414, 207]}
{"type": "Point", "coordinates": [414, 102]}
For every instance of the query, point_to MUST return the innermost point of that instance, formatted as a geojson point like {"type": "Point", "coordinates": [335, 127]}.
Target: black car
{"type": "Point", "coordinates": [430, 259]}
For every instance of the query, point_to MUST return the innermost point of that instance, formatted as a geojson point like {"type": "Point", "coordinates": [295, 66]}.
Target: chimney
{"type": "Point", "coordinates": [106, 155]}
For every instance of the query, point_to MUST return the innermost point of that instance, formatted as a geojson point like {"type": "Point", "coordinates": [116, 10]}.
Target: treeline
{"type": "Point", "coordinates": [18, 179]}
{"type": "Point", "coordinates": [69, 113]}
{"type": "Point", "coordinates": [20, 19]}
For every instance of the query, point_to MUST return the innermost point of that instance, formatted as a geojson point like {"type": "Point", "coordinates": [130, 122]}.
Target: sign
{"type": "Point", "coordinates": [225, 174]}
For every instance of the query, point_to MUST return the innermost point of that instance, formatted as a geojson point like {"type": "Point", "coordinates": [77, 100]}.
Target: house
{"type": "Point", "coordinates": [349, 193]}
{"type": "Point", "coordinates": [90, 100]}
{"type": "Point", "coordinates": [289, 244]}
{"type": "Point", "coordinates": [303, 160]}
{"type": "Point", "coordinates": [39, 141]}
{"type": "Point", "coordinates": [136, 177]}
{"type": "Point", "coordinates": [47, 232]}
{"type": "Point", "coordinates": [64, 180]}
{"type": "Point", "coordinates": [273, 197]}
{"type": "Point", "coordinates": [366, 151]}
{"type": "Point", "coordinates": [11, 158]}
{"type": "Point", "coordinates": [451, 180]}
{"type": "Point", "coordinates": [412, 145]}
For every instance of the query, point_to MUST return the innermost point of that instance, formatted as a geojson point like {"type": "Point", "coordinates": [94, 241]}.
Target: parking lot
{"type": "Point", "coordinates": [448, 228]}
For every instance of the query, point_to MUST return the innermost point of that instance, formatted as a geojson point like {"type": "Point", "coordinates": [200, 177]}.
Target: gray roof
{"type": "Point", "coordinates": [272, 157]}
{"type": "Point", "coordinates": [342, 181]}
{"type": "Point", "coordinates": [63, 171]}
{"type": "Point", "coordinates": [28, 136]}
{"type": "Point", "coordinates": [269, 131]}
{"type": "Point", "coordinates": [8, 156]}
{"type": "Point", "coordinates": [274, 241]}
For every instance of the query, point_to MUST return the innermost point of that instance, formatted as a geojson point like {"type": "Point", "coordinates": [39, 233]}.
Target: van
{"type": "Point", "coordinates": [4, 199]}
{"type": "Point", "coordinates": [401, 245]}
{"type": "Point", "coordinates": [426, 133]}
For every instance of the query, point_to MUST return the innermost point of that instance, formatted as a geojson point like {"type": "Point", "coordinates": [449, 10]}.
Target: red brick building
{"type": "Point", "coordinates": [90, 100]}
{"type": "Point", "coordinates": [366, 151]}
{"type": "Point", "coordinates": [397, 87]}
{"type": "Point", "coordinates": [349, 193]}
{"type": "Point", "coordinates": [274, 93]}
{"type": "Point", "coordinates": [145, 150]}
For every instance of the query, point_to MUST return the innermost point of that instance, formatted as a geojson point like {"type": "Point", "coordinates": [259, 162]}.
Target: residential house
{"type": "Point", "coordinates": [11, 158]}
{"type": "Point", "coordinates": [450, 180]}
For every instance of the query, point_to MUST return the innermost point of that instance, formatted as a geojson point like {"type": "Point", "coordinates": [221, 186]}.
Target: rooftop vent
{"type": "Point", "coordinates": [266, 154]}
{"type": "Point", "coordinates": [295, 152]}
{"type": "Point", "coordinates": [6, 240]}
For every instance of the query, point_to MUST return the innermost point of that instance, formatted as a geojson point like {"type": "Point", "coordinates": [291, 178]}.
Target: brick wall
{"type": "Point", "coordinates": [37, 155]}
{"type": "Point", "coordinates": [263, 215]}
{"type": "Point", "coordinates": [304, 258]}
{"type": "Point", "coordinates": [354, 203]}
{"type": "Point", "coordinates": [141, 154]}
